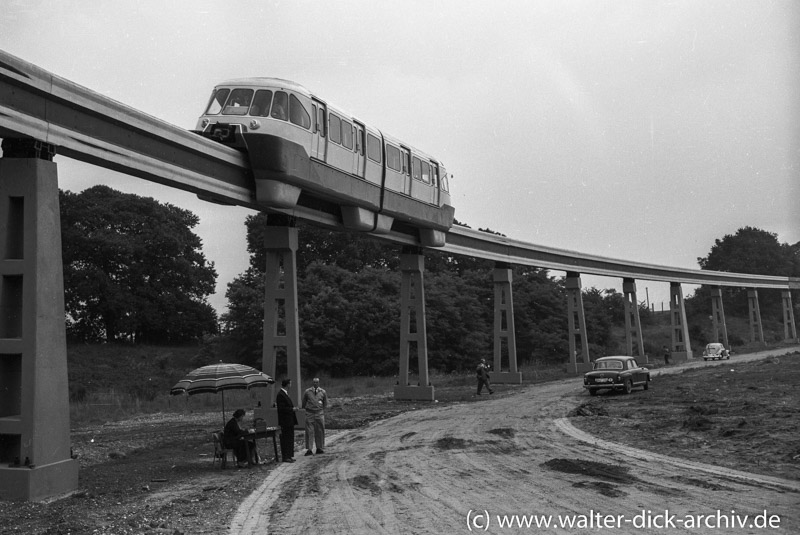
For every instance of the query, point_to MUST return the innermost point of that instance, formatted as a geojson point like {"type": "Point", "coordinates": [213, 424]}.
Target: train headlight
{"type": "Point", "coordinates": [254, 125]}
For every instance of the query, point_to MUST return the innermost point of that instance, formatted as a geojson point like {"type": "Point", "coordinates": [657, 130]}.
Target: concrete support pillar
{"type": "Point", "coordinates": [504, 327]}
{"type": "Point", "coordinates": [755, 316]}
{"type": "Point", "coordinates": [577, 326]}
{"type": "Point", "coordinates": [681, 347]}
{"type": "Point", "coordinates": [718, 317]}
{"type": "Point", "coordinates": [633, 324]}
{"type": "Point", "coordinates": [281, 323]}
{"type": "Point", "coordinates": [412, 328]}
{"type": "Point", "coordinates": [35, 457]}
{"type": "Point", "coordinates": [789, 326]}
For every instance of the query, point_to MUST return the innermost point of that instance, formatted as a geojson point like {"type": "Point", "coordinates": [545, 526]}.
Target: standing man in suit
{"type": "Point", "coordinates": [315, 401]}
{"type": "Point", "coordinates": [287, 419]}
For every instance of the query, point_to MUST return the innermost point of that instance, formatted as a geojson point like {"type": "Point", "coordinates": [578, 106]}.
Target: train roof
{"type": "Point", "coordinates": [270, 82]}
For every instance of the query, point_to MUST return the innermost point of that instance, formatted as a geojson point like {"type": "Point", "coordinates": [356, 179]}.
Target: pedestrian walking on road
{"type": "Point", "coordinates": [666, 355]}
{"type": "Point", "coordinates": [483, 377]}
{"type": "Point", "coordinates": [315, 401]}
{"type": "Point", "coordinates": [287, 419]}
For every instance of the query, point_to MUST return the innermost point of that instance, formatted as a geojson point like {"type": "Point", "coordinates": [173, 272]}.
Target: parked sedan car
{"type": "Point", "coordinates": [716, 351]}
{"type": "Point", "coordinates": [617, 373]}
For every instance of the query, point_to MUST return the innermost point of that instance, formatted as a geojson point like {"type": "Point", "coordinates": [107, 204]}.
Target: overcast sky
{"type": "Point", "coordinates": [633, 129]}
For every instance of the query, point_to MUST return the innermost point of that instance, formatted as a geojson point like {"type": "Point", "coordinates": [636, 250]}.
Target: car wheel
{"type": "Point", "coordinates": [705, 359]}
{"type": "Point", "coordinates": [628, 386]}
{"type": "Point", "coordinates": [592, 391]}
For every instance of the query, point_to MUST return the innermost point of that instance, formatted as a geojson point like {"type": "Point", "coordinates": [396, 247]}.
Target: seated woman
{"type": "Point", "coordinates": [233, 437]}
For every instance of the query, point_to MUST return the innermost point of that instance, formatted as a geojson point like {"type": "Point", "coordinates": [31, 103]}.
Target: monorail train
{"type": "Point", "coordinates": [304, 151]}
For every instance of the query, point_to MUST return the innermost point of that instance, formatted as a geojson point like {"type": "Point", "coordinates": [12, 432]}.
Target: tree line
{"type": "Point", "coordinates": [135, 272]}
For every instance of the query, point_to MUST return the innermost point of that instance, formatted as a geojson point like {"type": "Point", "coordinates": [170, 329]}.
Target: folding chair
{"type": "Point", "coordinates": [220, 451]}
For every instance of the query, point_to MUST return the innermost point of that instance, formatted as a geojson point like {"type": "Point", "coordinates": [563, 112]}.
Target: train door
{"type": "Point", "coordinates": [319, 141]}
{"type": "Point", "coordinates": [435, 183]}
{"type": "Point", "coordinates": [360, 160]}
{"type": "Point", "coordinates": [405, 156]}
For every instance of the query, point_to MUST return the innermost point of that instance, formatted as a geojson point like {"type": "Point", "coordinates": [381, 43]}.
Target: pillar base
{"type": "Point", "coordinates": [514, 378]}
{"type": "Point", "coordinates": [579, 368]}
{"type": "Point", "coordinates": [420, 393]}
{"type": "Point", "coordinates": [40, 482]}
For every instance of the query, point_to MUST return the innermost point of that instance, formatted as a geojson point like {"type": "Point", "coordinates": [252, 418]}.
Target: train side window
{"type": "Point", "coordinates": [321, 122]}
{"type": "Point", "coordinates": [218, 99]}
{"type": "Point", "coordinates": [347, 134]}
{"type": "Point", "coordinates": [415, 169]}
{"type": "Point", "coordinates": [373, 148]}
{"type": "Point", "coordinates": [279, 105]}
{"type": "Point", "coordinates": [444, 182]}
{"type": "Point", "coordinates": [239, 102]}
{"type": "Point", "coordinates": [360, 140]}
{"type": "Point", "coordinates": [435, 175]}
{"type": "Point", "coordinates": [406, 162]}
{"type": "Point", "coordinates": [335, 129]}
{"type": "Point", "coordinates": [393, 158]}
{"type": "Point", "coordinates": [426, 172]}
{"type": "Point", "coordinates": [261, 102]}
{"type": "Point", "coordinates": [298, 114]}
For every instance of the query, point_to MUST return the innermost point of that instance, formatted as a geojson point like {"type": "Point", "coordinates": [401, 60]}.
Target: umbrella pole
{"type": "Point", "coordinates": [223, 408]}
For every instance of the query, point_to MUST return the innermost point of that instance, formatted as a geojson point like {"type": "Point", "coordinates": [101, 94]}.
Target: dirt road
{"type": "Point", "coordinates": [471, 467]}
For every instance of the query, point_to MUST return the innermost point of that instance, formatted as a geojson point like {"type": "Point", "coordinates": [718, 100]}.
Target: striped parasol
{"type": "Point", "coordinates": [219, 378]}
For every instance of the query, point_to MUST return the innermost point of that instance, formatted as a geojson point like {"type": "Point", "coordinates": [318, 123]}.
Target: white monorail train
{"type": "Point", "coordinates": [303, 150]}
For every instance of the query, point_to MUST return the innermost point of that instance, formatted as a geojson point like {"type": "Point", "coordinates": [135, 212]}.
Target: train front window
{"type": "Point", "coordinates": [279, 106]}
{"type": "Point", "coordinates": [298, 114]}
{"type": "Point", "coordinates": [261, 102]}
{"type": "Point", "coordinates": [238, 102]}
{"type": "Point", "coordinates": [217, 101]}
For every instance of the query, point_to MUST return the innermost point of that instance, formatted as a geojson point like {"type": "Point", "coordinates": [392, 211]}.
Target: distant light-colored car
{"type": "Point", "coordinates": [715, 351]}
{"type": "Point", "coordinates": [616, 373]}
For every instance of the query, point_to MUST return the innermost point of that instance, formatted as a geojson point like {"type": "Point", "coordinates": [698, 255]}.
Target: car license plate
{"type": "Point", "coordinates": [602, 380]}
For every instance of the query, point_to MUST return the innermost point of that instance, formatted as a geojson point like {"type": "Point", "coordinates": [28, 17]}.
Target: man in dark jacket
{"type": "Point", "coordinates": [483, 377]}
{"type": "Point", "coordinates": [287, 419]}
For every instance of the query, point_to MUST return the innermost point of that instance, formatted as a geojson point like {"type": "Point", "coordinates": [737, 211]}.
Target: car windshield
{"type": "Point", "coordinates": [608, 365]}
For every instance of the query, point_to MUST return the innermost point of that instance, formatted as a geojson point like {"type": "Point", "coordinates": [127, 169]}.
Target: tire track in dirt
{"type": "Point", "coordinates": [424, 471]}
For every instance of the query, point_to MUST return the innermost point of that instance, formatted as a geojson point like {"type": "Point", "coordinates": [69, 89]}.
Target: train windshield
{"type": "Point", "coordinates": [218, 99]}
{"type": "Point", "coordinates": [230, 102]}
{"type": "Point", "coordinates": [238, 102]}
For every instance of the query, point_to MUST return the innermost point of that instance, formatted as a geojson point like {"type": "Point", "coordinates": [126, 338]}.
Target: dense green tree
{"type": "Point", "coordinates": [350, 322]}
{"type": "Point", "coordinates": [133, 269]}
{"type": "Point", "coordinates": [749, 250]}
{"type": "Point", "coordinates": [540, 316]}
{"type": "Point", "coordinates": [243, 322]}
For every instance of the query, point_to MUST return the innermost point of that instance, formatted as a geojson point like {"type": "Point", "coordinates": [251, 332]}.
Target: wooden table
{"type": "Point", "coordinates": [265, 433]}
